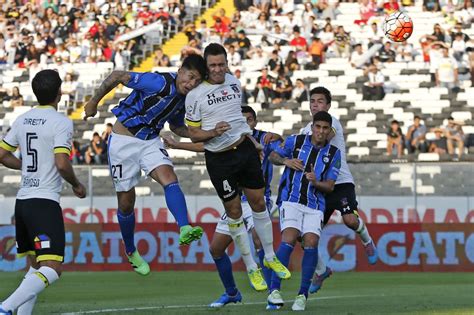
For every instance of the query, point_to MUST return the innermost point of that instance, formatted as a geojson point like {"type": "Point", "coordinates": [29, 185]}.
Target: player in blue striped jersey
{"type": "Point", "coordinates": [311, 169]}
{"type": "Point", "coordinates": [134, 144]}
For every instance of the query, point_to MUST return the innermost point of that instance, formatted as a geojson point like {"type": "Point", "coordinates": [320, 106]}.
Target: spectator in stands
{"type": "Point", "coordinates": [439, 144]}
{"type": "Point", "coordinates": [455, 136]}
{"type": "Point", "coordinates": [233, 57]}
{"type": "Point", "coordinates": [446, 70]}
{"type": "Point", "coordinates": [458, 30]}
{"type": "Point", "coordinates": [75, 156]}
{"type": "Point", "coordinates": [358, 60]}
{"type": "Point", "coordinates": [243, 86]}
{"type": "Point", "coordinates": [204, 31]}
{"type": "Point", "coordinates": [283, 88]}
{"type": "Point", "coordinates": [175, 12]}
{"type": "Point", "coordinates": [275, 64]}
{"type": "Point", "coordinates": [244, 43]}
{"type": "Point", "coordinates": [95, 151]}
{"type": "Point", "coordinates": [259, 57]}
{"type": "Point", "coordinates": [298, 42]}
{"type": "Point", "coordinates": [431, 5]}
{"type": "Point", "coordinates": [221, 28]}
{"type": "Point", "coordinates": [290, 23]}
{"type": "Point", "coordinates": [342, 43]}
{"type": "Point", "coordinates": [395, 139]}
{"type": "Point", "coordinates": [438, 33]}
{"type": "Point", "coordinates": [231, 39]}
{"type": "Point", "coordinates": [391, 6]}
{"type": "Point", "coordinates": [459, 47]}
{"type": "Point", "coordinates": [367, 9]}
{"type": "Point", "coordinates": [300, 92]}
{"type": "Point", "coordinates": [467, 13]}
{"type": "Point", "coordinates": [161, 59]}
{"type": "Point", "coordinates": [16, 99]}
{"type": "Point", "coordinates": [404, 52]}
{"type": "Point", "coordinates": [222, 16]}
{"type": "Point", "coordinates": [415, 139]}
{"type": "Point", "coordinates": [316, 50]}
{"type": "Point", "coordinates": [69, 87]}
{"type": "Point", "coordinates": [191, 48]}
{"type": "Point", "coordinates": [106, 134]}
{"type": "Point", "coordinates": [264, 92]}
{"type": "Point", "coordinates": [261, 24]}
{"type": "Point", "coordinates": [373, 89]}
{"type": "Point", "coordinates": [386, 53]}
{"type": "Point", "coordinates": [327, 36]}
{"type": "Point", "coordinates": [291, 63]}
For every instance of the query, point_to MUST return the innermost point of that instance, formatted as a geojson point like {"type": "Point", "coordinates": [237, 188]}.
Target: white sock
{"type": "Point", "coordinates": [30, 287]}
{"type": "Point", "coordinates": [321, 266]}
{"type": "Point", "coordinates": [27, 307]}
{"type": "Point", "coordinates": [239, 235]}
{"type": "Point", "coordinates": [263, 227]}
{"type": "Point", "coordinates": [363, 233]}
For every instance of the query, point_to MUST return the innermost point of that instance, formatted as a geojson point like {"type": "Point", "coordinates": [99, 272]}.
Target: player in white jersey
{"type": "Point", "coordinates": [44, 137]}
{"type": "Point", "coordinates": [343, 198]}
{"type": "Point", "coordinates": [213, 115]}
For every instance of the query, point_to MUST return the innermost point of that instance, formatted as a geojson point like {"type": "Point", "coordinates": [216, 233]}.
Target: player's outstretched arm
{"type": "Point", "coordinates": [198, 135]}
{"type": "Point", "coordinates": [181, 131]}
{"type": "Point", "coordinates": [171, 143]}
{"type": "Point", "coordinates": [9, 160]}
{"type": "Point", "coordinates": [66, 171]}
{"type": "Point", "coordinates": [114, 79]}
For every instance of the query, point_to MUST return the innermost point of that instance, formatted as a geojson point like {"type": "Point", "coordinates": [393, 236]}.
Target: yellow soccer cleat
{"type": "Point", "coordinates": [281, 271]}
{"type": "Point", "coordinates": [257, 281]}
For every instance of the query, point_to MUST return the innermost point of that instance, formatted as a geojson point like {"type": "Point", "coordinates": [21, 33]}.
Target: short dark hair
{"type": "Point", "coordinates": [46, 85]}
{"type": "Point", "coordinates": [322, 116]}
{"type": "Point", "coordinates": [416, 117]}
{"type": "Point", "coordinates": [395, 122]}
{"type": "Point", "coordinates": [214, 49]}
{"type": "Point", "coordinates": [322, 90]}
{"type": "Point", "coordinates": [195, 62]}
{"type": "Point", "coordinates": [248, 109]}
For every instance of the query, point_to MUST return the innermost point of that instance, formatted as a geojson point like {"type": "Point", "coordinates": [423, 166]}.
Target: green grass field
{"type": "Point", "coordinates": [189, 292]}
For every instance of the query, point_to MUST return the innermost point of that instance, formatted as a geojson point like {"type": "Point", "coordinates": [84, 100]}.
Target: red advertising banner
{"type": "Point", "coordinates": [401, 247]}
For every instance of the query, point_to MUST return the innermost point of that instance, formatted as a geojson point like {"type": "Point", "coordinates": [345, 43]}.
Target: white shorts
{"type": "Point", "coordinates": [222, 226]}
{"type": "Point", "coordinates": [300, 217]}
{"type": "Point", "coordinates": [129, 155]}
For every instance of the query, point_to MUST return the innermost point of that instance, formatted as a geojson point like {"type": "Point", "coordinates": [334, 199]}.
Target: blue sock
{"type": "Point", "coordinates": [308, 266]}
{"type": "Point", "coordinates": [283, 254]}
{"type": "Point", "coordinates": [224, 267]}
{"type": "Point", "coordinates": [127, 227]}
{"type": "Point", "coordinates": [267, 273]}
{"type": "Point", "coordinates": [176, 203]}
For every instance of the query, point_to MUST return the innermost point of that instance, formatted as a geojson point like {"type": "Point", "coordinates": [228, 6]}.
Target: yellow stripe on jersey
{"type": "Point", "coordinates": [193, 123]}
{"type": "Point", "coordinates": [49, 257]}
{"type": "Point", "coordinates": [333, 130]}
{"type": "Point", "coordinates": [62, 150]}
{"type": "Point", "coordinates": [7, 146]}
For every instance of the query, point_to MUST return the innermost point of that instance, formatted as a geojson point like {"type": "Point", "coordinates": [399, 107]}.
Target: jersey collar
{"type": "Point", "coordinates": [45, 106]}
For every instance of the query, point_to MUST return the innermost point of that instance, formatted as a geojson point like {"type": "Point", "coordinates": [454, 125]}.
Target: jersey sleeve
{"type": "Point", "coordinates": [334, 167]}
{"type": "Point", "coordinates": [10, 142]}
{"type": "Point", "coordinates": [177, 119]}
{"type": "Point", "coordinates": [63, 137]}
{"type": "Point", "coordinates": [147, 82]}
{"type": "Point", "coordinates": [193, 110]}
{"type": "Point", "coordinates": [285, 149]}
{"type": "Point", "coordinates": [272, 146]}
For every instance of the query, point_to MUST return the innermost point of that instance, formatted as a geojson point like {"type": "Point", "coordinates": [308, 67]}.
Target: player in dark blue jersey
{"type": "Point", "coordinates": [311, 169]}
{"type": "Point", "coordinates": [134, 144]}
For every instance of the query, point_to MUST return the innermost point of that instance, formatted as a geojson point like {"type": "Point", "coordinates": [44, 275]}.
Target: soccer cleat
{"type": "Point", "coordinates": [281, 271]}
{"type": "Point", "coordinates": [257, 282]}
{"type": "Point", "coordinates": [275, 298]}
{"type": "Point", "coordinates": [188, 233]}
{"type": "Point", "coordinates": [272, 307]}
{"type": "Point", "coordinates": [371, 252]}
{"type": "Point", "coordinates": [139, 264]}
{"type": "Point", "coordinates": [300, 303]}
{"type": "Point", "coordinates": [225, 299]}
{"type": "Point", "coordinates": [317, 282]}
{"type": "Point", "coordinates": [2, 311]}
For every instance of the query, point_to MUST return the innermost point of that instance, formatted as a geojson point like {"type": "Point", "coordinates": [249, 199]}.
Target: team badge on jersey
{"type": "Point", "coordinates": [42, 241]}
{"type": "Point", "coordinates": [326, 159]}
{"type": "Point", "coordinates": [224, 92]}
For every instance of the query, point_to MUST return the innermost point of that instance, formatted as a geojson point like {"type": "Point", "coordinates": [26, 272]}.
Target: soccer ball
{"type": "Point", "coordinates": [398, 26]}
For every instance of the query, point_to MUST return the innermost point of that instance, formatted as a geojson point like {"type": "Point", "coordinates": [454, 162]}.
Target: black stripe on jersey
{"type": "Point", "coordinates": [156, 98]}
{"type": "Point", "coordinates": [331, 153]}
{"type": "Point", "coordinates": [299, 141]}
{"type": "Point", "coordinates": [312, 157]}
{"type": "Point", "coordinates": [171, 106]}
{"type": "Point", "coordinates": [259, 135]}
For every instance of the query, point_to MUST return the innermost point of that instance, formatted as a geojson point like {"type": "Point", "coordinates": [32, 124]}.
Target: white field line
{"type": "Point", "coordinates": [165, 307]}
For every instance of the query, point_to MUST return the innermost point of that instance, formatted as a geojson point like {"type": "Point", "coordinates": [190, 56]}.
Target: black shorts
{"type": "Point", "coordinates": [39, 229]}
{"type": "Point", "coordinates": [343, 199]}
{"type": "Point", "coordinates": [235, 168]}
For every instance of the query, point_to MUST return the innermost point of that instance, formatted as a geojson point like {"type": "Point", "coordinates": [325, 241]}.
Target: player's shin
{"type": "Point", "coordinates": [283, 254]}
{"type": "Point", "coordinates": [263, 227]}
{"type": "Point", "coordinates": [27, 307]}
{"type": "Point", "coordinates": [320, 266]}
{"type": "Point", "coordinates": [363, 232]}
{"type": "Point", "coordinates": [224, 267]}
{"type": "Point", "coordinates": [127, 228]}
{"type": "Point", "coordinates": [30, 287]}
{"type": "Point", "coordinates": [308, 266]}
{"type": "Point", "coordinates": [240, 237]}
{"type": "Point", "coordinates": [267, 273]}
{"type": "Point", "coordinates": [176, 203]}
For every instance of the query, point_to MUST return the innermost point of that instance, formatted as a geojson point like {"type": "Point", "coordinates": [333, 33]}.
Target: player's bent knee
{"type": "Point", "coordinates": [351, 221]}
{"type": "Point", "coordinates": [164, 174]}
{"type": "Point", "coordinates": [56, 265]}
{"type": "Point", "coordinates": [216, 252]}
{"type": "Point", "coordinates": [310, 240]}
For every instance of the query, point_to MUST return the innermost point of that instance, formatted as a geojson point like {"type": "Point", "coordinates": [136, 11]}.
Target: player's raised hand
{"type": "Point", "coordinates": [79, 191]}
{"type": "Point", "coordinates": [222, 127]}
{"type": "Point", "coordinates": [90, 109]}
{"type": "Point", "coordinates": [295, 164]}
